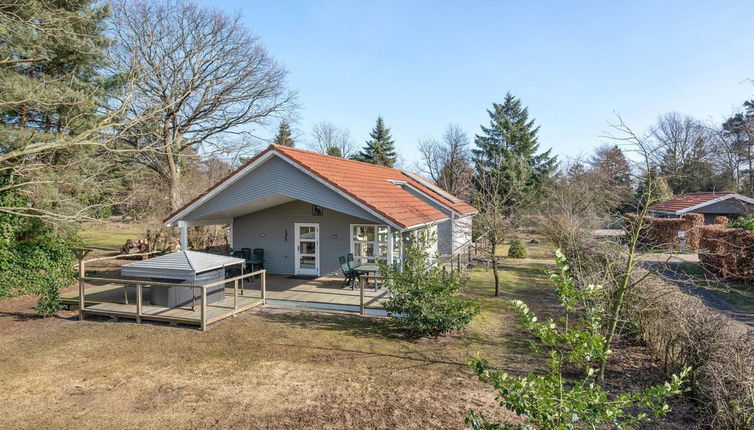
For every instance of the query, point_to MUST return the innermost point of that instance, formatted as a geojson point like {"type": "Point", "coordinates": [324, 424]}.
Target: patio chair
{"type": "Point", "coordinates": [350, 275]}
{"type": "Point", "coordinates": [257, 258]}
{"type": "Point", "coordinates": [351, 263]}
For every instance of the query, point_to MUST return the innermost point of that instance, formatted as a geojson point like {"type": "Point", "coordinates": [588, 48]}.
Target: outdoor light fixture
{"type": "Point", "coordinates": [335, 236]}
{"type": "Point", "coordinates": [261, 234]}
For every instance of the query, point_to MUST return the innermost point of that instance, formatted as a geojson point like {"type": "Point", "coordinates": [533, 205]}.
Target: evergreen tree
{"type": "Point", "coordinates": [52, 56]}
{"type": "Point", "coordinates": [284, 137]}
{"type": "Point", "coordinates": [507, 151]}
{"type": "Point", "coordinates": [380, 149]}
{"type": "Point", "coordinates": [53, 53]}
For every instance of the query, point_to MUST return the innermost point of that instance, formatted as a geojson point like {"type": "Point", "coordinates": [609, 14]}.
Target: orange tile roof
{"type": "Point", "coordinates": [367, 183]}
{"type": "Point", "coordinates": [685, 201]}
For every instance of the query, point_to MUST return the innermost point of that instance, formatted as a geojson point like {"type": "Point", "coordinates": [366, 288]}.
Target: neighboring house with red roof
{"type": "Point", "coordinates": [307, 209]}
{"type": "Point", "coordinates": [710, 204]}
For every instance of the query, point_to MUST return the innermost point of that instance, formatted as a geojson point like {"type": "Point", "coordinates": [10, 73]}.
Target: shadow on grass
{"type": "Point", "coordinates": [353, 325]}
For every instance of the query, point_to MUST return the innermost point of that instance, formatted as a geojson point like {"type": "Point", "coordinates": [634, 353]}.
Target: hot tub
{"type": "Point", "coordinates": [183, 267]}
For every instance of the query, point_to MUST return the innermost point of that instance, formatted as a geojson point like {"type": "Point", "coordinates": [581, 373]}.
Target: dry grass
{"type": "Point", "coordinates": [268, 369]}
{"type": "Point", "coordinates": [265, 369]}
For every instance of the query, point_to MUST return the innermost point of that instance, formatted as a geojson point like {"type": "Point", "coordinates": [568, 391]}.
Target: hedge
{"type": "Point", "coordinates": [663, 232]}
{"type": "Point", "coordinates": [686, 333]}
{"type": "Point", "coordinates": [727, 252]}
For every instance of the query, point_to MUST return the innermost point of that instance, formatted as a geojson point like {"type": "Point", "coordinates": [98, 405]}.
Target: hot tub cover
{"type": "Point", "coordinates": [178, 265]}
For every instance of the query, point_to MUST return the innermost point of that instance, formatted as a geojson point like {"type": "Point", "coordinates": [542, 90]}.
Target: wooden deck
{"type": "Point", "coordinates": [324, 290]}
{"type": "Point", "coordinates": [117, 300]}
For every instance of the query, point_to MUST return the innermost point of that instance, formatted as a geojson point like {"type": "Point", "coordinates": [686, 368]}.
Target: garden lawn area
{"type": "Point", "coordinates": [268, 368]}
{"type": "Point", "coordinates": [109, 237]}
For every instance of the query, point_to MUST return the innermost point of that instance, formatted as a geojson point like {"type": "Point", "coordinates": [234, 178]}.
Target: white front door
{"type": "Point", "coordinates": [307, 249]}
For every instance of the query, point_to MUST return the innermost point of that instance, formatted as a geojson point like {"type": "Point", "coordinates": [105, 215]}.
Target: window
{"type": "Point", "coordinates": [368, 241]}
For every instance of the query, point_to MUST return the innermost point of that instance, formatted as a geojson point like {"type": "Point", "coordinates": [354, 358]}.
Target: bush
{"type": "Point", "coordinates": [518, 249]}
{"type": "Point", "coordinates": [49, 301]}
{"type": "Point", "coordinates": [746, 223]}
{"type": "Point", "coordinates": [548, 400]}
{"type": "Point", "coordinates": [425, 297]}
{"type": "Point", "coordinates": [686, 333]}
{"type": "Point", "coordinates": [35, 266]}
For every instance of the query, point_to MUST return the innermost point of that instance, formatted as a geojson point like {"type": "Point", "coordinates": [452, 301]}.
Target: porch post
{"type": "Point", "coordinates": [361, 295]}
{"type": "Point", "coordinates": [263, 285]}
{"type": "Point", "coordinates": [204, 308]}
{"type": "Point", "coordinates": [389, 245]}
{"type": "Point", "coordinates": [138, 303]}
{"type": "Point", "coordinates": [235, 294]}
{"type": "Point", "coordinates": [80, 254]}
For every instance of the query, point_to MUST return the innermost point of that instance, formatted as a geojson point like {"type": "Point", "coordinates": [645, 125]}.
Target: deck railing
{"type": "Point", "coordinates": [140, 284]}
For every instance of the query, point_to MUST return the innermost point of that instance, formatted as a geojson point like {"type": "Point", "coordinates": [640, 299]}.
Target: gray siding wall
{"type": "Point", "coordinates": [730, 206]}
{"type": "Point", "coordinates": [445, 237]}
{"type": "Point", "coordinates": [461, 233]}
{"type": "Point", "coordinates": [266, 229]}
{"type": "Point", "coordinates": [277, 176]}
{"type": "Point", "coordinates": [444, 228]}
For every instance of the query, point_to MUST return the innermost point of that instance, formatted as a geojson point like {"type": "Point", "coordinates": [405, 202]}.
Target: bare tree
{"type": "Point", "coordinates": [206, 75]}
{"type": "Point", "coordinates": [684, 155]}
{"type": "Point", "coordinates": [447, 162]}
{"type": "Point", "coordinates": [332, 140]}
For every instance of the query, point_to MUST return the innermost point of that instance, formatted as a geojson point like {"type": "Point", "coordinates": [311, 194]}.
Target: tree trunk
{"type": "Point", "coordinates": [175, 190]}
{"type": "Point", "coordinates": [493, 245]}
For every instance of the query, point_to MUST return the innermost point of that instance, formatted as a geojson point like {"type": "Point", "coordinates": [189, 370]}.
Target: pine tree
{"type": "Point", "coordinates": [507, 151]}
{"type": "Point", "coordinates": [52, 92]}
{"type": "Point", "coordinates": [54, 52]}
{"type": "Point", "coordinates": [284, 137]}
{"type": "Point", "coordinates": [380, 149]}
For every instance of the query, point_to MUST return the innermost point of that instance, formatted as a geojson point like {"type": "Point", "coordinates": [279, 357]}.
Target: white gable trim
{"type": "Point", "coordinates": [717, 200]}
{"type": "Point", "coordinates": [230, 181]}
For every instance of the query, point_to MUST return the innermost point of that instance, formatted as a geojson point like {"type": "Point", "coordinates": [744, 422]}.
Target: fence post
{"type": "Point", "coordinates": [263, 284]}
{"type": "Point", "coordinates": [235, 294]}
{"type": "Point", "coordinates": [361, 295]}
{"type": "Point", "coordinates": [138, 303]}
{"type": "Point", "coordinates": [80, 254]}
{"type": "Point", "coordinates": [204, 308]}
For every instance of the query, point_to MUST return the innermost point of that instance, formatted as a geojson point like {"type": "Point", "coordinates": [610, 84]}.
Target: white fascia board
{"type": "Point", "coordinates": [717, 200]}
{"type": "Point", "coordinates": [219, 188]}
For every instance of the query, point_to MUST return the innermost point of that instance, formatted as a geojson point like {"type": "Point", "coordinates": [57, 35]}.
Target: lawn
{"type": "Point", "coordinates": [268, 368]}
{"type": "Point", "coordinates": [109, 237]}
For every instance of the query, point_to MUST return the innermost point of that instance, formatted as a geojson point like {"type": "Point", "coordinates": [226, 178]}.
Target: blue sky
{"type": "Point", "coordinates": [423, 65]}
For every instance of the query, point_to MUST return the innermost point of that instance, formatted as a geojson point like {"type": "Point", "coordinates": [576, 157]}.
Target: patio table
{"type": "Point", "coordinates": [367, 269]}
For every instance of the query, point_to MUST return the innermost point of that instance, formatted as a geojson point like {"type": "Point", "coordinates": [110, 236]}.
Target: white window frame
{"type": "Point", "coordinates": [376, 243]}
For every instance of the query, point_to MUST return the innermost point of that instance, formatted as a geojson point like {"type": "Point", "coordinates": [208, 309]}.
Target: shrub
{"type": "Point", "coordinates": [551, 401]}
{"type": "Point", "coordinates": [686, 333]}
{"type": "Point", "coordinates": [49, 301]}
{"type": "Point", "coordinates": [518, 249]}
{"type": "Point", "coordinates": [425, 297]}
{"type": "Point", "coordinates": [35, 266]}
{"type": "Point", "coordinates": [746, 223]}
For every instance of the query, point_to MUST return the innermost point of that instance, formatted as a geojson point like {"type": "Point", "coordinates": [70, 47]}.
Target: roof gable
{"type": "Point", "coordinates": [365, 184]}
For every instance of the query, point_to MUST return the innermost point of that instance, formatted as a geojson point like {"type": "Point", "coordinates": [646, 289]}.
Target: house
{"type": "Point", "coordinates": [710, 204]}
{"type": "Point", "coordinates": [307, 209]}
